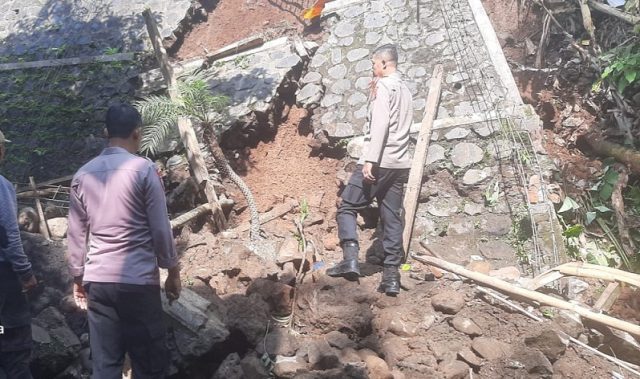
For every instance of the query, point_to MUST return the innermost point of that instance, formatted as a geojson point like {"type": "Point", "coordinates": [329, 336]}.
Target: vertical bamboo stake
{"type": "Point", "coordinates": [44, 228]}
{"type": "Point", "coordinates": [187, 134]}
{"type": "Point", "coordinates": [419, 157]}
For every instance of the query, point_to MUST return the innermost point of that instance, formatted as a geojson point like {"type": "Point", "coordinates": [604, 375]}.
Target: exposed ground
{"type": "Point", "coordinates": [441, 328]}
{"type": "Point", "coordinates": [414, 340]}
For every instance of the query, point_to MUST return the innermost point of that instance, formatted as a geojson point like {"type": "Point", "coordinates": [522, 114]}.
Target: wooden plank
{"type": "Point", "coordinates": [187, 134]}
{"type": "Point", "coordinates": [419, 157]}
{"type": "Point", "coordinates": [544, 279]}
{"type": "Point", "coordinates": [610, 11]}
{"type": "Point", "coordinates": [541, 298]}
{"type": "Point", "coordinates": [44, 228]}
{"type": "Point", "coordinates": [235, 48]}
{"type": "Point", "coordinates": [608, 297]}
{"type": "Point", "coordinates": [277, 211]}
{"type": "Point", "coordinates": [67, 61]}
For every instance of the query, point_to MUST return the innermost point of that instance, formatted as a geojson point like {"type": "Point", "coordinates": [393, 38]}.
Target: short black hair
{"type": "Point", "coordinates": [388, 53]}
{"type": "Point", "coordinates": [122, 120]}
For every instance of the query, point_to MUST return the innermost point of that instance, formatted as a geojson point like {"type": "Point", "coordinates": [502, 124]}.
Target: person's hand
{"type": "Point", "coordinates": [29, 284]}
{"type": "Point", "coordinates": [80, 296]}
{"type": "Point", "coordinates": [173, 285]}
{"type": "Point", "coordinates": [367, 172]}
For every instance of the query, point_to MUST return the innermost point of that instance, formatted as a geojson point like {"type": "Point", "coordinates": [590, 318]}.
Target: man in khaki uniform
{"type": "Point", "coordinates": [381, 172]}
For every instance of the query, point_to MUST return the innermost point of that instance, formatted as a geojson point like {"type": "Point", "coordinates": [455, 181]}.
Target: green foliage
{"type": "Point", "coordinates": [48, 112]}
{"type": "Point", "coordinates": [160, 114]}
{"type": "Point", "coordinates": [492, 194]}
{"type": "Point", "coordinates": [623, 67]}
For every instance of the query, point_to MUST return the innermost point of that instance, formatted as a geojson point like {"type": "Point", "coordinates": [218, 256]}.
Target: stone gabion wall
{"type": "Point", "coordinates": [55, 115]}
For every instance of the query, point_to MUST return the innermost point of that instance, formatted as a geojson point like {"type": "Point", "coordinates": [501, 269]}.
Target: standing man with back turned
{"type": "Point", "coordinates": [118, 202]}
{"type": "Point", "coordinates": [381, 173]}
{"type": "Point", "coordinates": [16, 279]}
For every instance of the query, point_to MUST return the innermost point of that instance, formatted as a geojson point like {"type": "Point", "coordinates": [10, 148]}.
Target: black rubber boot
{"type": "Point", "coordinates": [390, 283]}
{"type": "Point", "coordinates": [347, 268]}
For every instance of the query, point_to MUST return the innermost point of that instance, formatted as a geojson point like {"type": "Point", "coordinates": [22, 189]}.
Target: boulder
{"type": "Point", "coordinates": [322, 356]}
{"type": "Point", "coordinates": [449, 302]}
{"type": "Point", "coordinates": [279, 342]}
{"type": "Point", "coordinates": [550, 342]}
{"type": "Point", "coordinates": [278, 295]}
{"type": "Point", "coordinates": [534, 361]}
{"type": "Point", "coordinates": [490, 348]}
{"type": "Point", "coordinates": [453, 369]}
{"type": "Point", "coordinates": [58, 227]}
{"type": "Point", "coordinates": [339, 340]}
{"type": "Point", "coordinates": [466, 326]}
{"type": "Point", "coordinates": [289, 367]}
{"type": "Point", "coordinates": [377, 368]}
{"type": "Point", "coordinates": [231, 368]}
{"type": "Point", "coordinates": [55, 347]}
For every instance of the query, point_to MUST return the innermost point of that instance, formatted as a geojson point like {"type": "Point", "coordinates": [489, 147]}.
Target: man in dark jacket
{"type": "Point", "coordinates": [16, 279]}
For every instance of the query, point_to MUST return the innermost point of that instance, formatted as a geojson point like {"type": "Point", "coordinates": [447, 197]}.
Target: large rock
{"type": "Point", "coordinates": [623, 345]}
{"type": "Point", "coordinates": [56, 346]}
{"type": "Point", "coordinates": [377, 368]}
{"type": "Point", "coordinates": [278, 295]}
{"type": "Point", "coordinates": [339, 340]}
{"type": "Point", "coordinates": [279, 342]}
{"type": "Point", "coordinates": [253, 367]}
{"type": "Point", "coordinates": [449, 302]}
{"type": "Point", "coordinates": [470, 357]}
{"type": "Point", "coordinates": [466, 326]}
{"type": "Point", "coordinates": [288, 367]}
{"type": "Point", "coordinates": [569, 322]}
{"type": "Point", "coordinates": [550, 342]}
{"type": "Point", "coordinates": [465, 154]}
{"type": "Point", "coordinates": [322, 356]}
{"type": "Point", "coordinates": [534, 362]}
{"type": "Point", "coordinates": [248, 315]}
{"type": "Point", "coordinates": [309, 95]}
{"type": "Point", "coordinates": [453, 369]}
{"type": "Point", "coordinates": [58, 227]}
{"type": "Point", "coordinates": [230, 368]}
{"type": "Point", "coordinates": [490, 348]}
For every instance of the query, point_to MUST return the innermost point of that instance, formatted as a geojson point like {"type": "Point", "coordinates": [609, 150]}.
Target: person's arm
{"type": "Point", "coordinates": [161, 233]}
{"type": "Point", "coordinates": [10, 238]}
{"type": "Point", "coordinates": [77, 232]}
{"type": "Point", "coordinates": [379, 126]}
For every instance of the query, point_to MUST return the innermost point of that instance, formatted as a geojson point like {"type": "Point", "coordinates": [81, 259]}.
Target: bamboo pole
{"type": "Point", "coordinates": [626, 365]}
{"type": "Point", "coordinates": [187, 134]}
{"type": "Point", "coordinates": [419, 157]}
{"type": "Point", "coordinates": [188, 216]}
{"type": "Point", "coordinates": [532, 295]}
{"type": "Point", "coordinates": [598, 272]}
{"type": "Point", "coordinates": [44, 228]}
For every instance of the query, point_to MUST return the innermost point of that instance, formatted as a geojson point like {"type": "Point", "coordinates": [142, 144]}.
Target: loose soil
{"type": "Point", "coordinates": [234, 20]}
{"type": "Point", "coordinates": [283, 166]}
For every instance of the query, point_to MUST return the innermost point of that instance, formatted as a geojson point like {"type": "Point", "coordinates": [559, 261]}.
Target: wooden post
{"type": "Point", "coordinates": [541, 298]}
{"type": "Point", "coordinates": [419, 157]}
{"type": "Point", "coordinates": [187, 134]}
{"type": "Point", "coordinates": [44, 228]}
{"type": "Point", "coordinates": [608, 297]}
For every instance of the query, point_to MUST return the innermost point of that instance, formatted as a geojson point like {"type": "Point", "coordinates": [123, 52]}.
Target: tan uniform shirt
{"type": "Point", "coordinates": [391, 115]}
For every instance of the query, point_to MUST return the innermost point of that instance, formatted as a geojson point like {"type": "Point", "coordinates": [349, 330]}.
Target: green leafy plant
{"type": "Point", "coordinates": [111, 51]}
{"type": "Point", "coordinates": [623, 67]}
{"type": "Point", "coordinates": [160, 114]}
{"type": "Point", "coordinates": [492, 194]}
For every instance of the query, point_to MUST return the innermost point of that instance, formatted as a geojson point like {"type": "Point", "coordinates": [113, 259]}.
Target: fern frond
{"type": "Point", "coordinates": [159, 117]}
